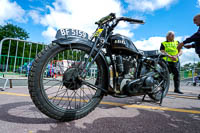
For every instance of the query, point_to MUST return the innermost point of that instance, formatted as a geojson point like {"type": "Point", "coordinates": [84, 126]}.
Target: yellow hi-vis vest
{"type": "Point", "coordinates": [171, 49]}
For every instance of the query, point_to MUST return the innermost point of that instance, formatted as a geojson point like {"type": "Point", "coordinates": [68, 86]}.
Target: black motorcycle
{"type": "Point", "coordinates": [91, 68]}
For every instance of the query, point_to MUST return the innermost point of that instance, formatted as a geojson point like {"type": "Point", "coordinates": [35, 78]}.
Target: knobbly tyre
{"type": "Point", "coordinates": [120, 70]}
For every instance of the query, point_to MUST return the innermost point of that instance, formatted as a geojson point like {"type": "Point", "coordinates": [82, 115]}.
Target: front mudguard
{"type": "Point", "coordinates": [73, 40]}
{"type": "Point", "coordinates": [87, 43]}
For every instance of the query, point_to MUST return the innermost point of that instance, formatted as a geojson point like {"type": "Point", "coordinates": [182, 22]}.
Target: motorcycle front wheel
{"type": "Point", "coordinates": [65, 96]}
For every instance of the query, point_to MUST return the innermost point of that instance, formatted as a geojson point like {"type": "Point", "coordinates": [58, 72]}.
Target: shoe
{"type": "Point", "coordinates": [199, 96]}
{"type": "Point", "coordinates": [178, 92]}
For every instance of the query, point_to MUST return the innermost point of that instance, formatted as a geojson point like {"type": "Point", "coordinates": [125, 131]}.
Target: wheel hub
{"type": "Point", "coordinates": [71, 79]}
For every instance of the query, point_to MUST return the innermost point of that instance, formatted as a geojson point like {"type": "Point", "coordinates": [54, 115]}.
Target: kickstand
{"type": "Point", "coordinates": [161, 99]}
{"type": "Point", "coordinates": [143, 97]}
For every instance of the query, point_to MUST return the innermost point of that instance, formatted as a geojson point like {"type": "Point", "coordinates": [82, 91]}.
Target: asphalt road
{"type": "Point", "coordinates": [178, 114]}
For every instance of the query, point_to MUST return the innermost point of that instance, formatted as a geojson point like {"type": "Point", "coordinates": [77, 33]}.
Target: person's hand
{"type": "Point", "coordinates": [188, 46]}
{"type": "Point", "coordinates": [174, 58]}
{"type": "Point", "coordinates": [180, 46]}
{"type": "Point", "coordinates": [169, 56]}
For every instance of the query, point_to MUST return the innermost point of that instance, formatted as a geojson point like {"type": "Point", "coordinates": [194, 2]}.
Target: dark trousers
{"type": "Point", "coordinates": [174, 68]}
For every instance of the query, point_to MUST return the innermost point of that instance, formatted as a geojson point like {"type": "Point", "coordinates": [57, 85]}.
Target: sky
{"type": "Point", "coordinates": [42, 18]}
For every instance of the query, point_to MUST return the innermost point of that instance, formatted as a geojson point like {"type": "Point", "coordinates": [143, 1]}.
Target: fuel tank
{"type": "Point", "coordinates": [122, 45]}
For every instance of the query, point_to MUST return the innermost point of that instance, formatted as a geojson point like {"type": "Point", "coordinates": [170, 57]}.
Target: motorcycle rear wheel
{"type": "Point", "coordinates": [163, 83]}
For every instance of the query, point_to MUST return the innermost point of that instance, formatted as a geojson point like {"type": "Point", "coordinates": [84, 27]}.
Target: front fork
{"type": "Point", "coordinates": [101, 43]}
{"type": "Point", "coordinates": [87, 64]}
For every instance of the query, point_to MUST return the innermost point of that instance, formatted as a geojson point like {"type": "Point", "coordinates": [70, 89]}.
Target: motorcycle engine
{"type": "Point", "coordinates": [139, 86]}
{"type": "Point", "coordinates": [126, 67]}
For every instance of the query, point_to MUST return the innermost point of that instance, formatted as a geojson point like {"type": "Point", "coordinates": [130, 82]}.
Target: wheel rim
{"type": "Point", "coordinates": [63, 92]}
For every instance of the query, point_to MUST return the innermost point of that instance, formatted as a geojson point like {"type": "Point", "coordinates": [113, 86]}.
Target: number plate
{"type": "Point", "coordinates": [65, 33]}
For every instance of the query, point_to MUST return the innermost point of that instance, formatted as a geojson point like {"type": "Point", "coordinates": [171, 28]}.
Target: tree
{"type": "Point", "coordinates": [198, 64]}
{"type": "Point", "coordinates": [187, 66]}
{"type": "Point", "coordinates": [13, 31]}
{"type": "Point", "coordinates": [17, 51]}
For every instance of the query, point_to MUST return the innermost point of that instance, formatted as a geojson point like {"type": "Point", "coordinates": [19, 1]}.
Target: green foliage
{"type": "Point", "coordinates": [198, 64]}
{"type": "Point", "coordinates": [187, 66]}
{"type": "Point", "coordinates": [13, 31]}
{"type": "Point", "coordinates": [190, 66]}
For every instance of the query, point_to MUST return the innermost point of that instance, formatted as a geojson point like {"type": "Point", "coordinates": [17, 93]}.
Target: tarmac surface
{"type": "Point", "coordinates": [178, 114]}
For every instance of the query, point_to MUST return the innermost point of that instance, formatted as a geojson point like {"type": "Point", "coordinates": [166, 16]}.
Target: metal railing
{"type": "Point", "coordinates": [15, 58]}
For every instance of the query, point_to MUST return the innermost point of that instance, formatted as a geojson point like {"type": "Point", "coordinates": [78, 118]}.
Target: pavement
{"type": "Point", "coordinates": [178, 114]}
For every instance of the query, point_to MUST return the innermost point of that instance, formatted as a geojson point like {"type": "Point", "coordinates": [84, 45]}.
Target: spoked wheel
{"type": "Point", "coordinates": [162, 81]}
{"type": "Point", "coordinates": [70, 94]}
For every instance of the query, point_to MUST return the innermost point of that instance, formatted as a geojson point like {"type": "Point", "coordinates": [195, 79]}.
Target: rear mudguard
{"type": "Point", "coordinates": [87, 43]}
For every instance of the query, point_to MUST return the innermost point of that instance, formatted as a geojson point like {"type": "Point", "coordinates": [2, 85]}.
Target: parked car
{"type": "Point", "coordinates": [61, 66]}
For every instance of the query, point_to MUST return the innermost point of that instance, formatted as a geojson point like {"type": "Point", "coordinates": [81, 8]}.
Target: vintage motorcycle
{"type": "Point", "coordinates": [91, 68]}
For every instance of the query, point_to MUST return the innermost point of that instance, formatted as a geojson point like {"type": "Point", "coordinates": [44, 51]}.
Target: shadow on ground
{"type": "Point", "coordinates": [23, 112]}
{"type": "Point", "coordinates": [146, 121]}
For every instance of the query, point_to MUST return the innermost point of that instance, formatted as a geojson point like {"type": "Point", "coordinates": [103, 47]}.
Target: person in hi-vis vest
{"type": "Point", "coordinates": [169, 47]}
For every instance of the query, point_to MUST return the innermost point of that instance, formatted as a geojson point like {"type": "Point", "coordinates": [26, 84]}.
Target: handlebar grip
{"type": "Point", "coordinates": [133, 20]}
{"type": "Point", "coordinates": [138, 21]}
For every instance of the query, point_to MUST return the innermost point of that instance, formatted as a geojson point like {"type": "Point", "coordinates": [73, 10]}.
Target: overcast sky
{"type": "Point", "coordinates": [43, 18]}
